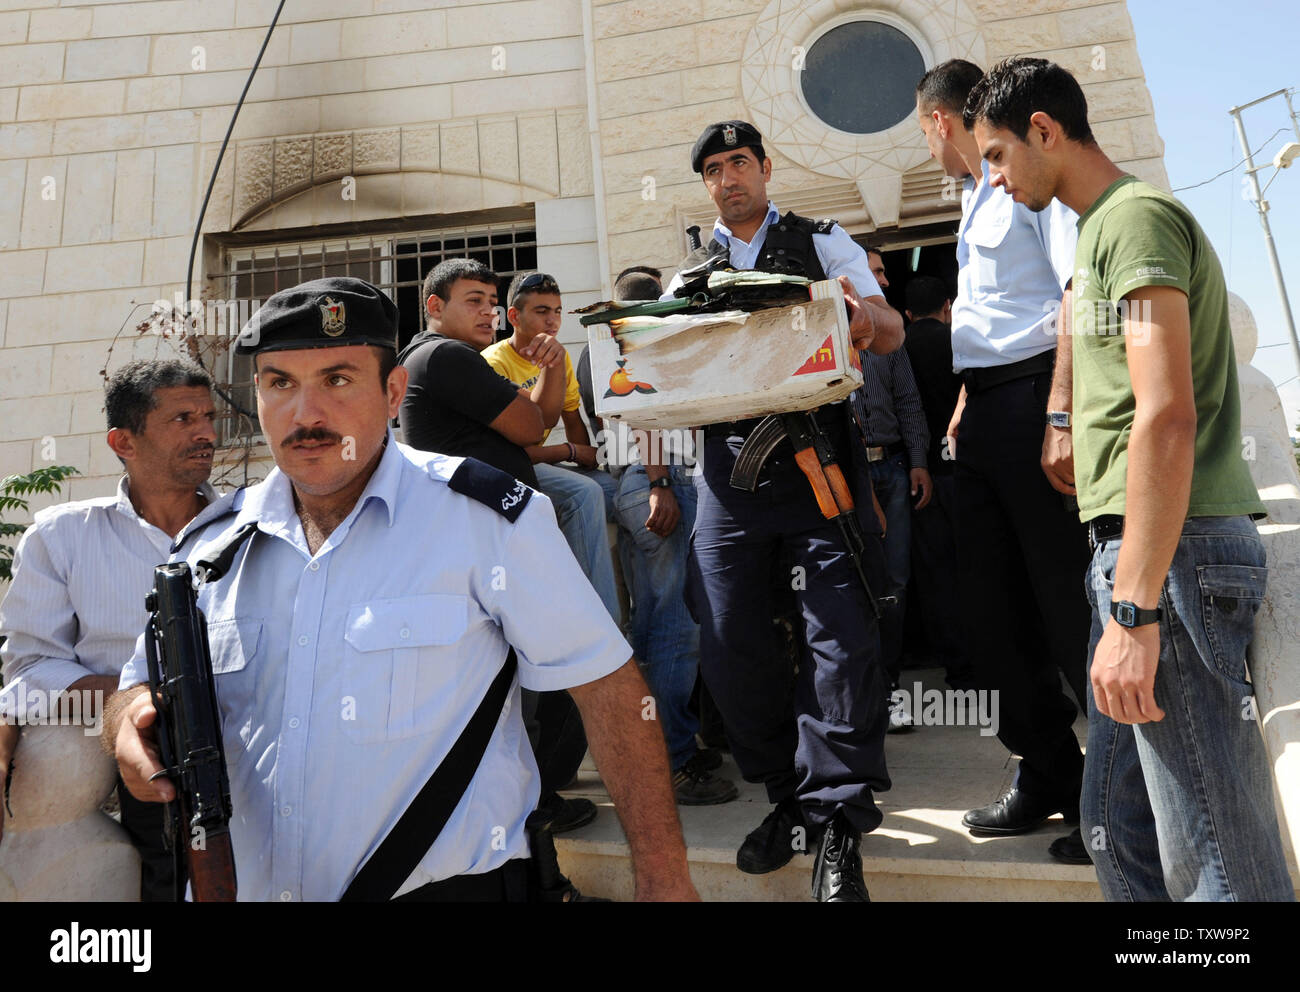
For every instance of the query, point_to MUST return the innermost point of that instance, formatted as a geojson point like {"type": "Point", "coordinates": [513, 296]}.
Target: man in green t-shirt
{"type": "Point", "coordinates": [1177, 801]}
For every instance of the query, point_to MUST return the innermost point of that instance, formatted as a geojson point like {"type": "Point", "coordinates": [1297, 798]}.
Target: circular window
{"type": "Point", "coordinates": [861, 76]}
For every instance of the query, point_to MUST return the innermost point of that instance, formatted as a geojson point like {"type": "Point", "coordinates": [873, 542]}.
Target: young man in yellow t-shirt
{"type": "Point", "coordinates": [583, 495]}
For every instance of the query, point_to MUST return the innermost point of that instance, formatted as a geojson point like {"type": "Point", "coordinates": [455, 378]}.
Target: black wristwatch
{"type": "Point", "coordinates": [663, 482]}
{"type": "Point", "coordinates": [1128, 615]}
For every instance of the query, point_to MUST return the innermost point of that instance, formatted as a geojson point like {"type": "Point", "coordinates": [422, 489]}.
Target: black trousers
{"type": "Point", "coordinates": [509, 883]}
{"type": "Point", "coordinates": [821, 738]}
{"type": "Point", "coordinates": [143, 823]}
{"type": "Point", "coordinates": [936, 594]}
{"type": "Point", "coordinates": [1021, 560]}
{"type": "Point", "coordinates": [559, 741]}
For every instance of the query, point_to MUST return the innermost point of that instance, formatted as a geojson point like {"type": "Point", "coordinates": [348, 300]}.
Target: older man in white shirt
{"type": "Point", "coordinates": [81, 572]}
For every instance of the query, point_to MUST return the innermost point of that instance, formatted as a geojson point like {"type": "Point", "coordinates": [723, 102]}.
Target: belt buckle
{"type": "Point", "coordinates": [875, 454]}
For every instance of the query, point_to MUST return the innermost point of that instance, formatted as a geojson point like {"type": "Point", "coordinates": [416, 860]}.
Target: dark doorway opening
{"type": "Point", "coordinates": [904, 264]}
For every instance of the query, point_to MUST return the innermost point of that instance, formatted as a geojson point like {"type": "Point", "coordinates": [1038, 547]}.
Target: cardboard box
{"type": "Point", "coordinates": [687, 375]}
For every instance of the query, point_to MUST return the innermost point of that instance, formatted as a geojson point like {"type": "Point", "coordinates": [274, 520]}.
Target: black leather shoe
{"type": "Point", "coordinates": [837, 872]}
{"type": "Point", "coordinates": [1070, 849]}
{"type": "Point", "coordinates": [771, 844]}
{"type": "Point", "coordinates": [1014, 812]}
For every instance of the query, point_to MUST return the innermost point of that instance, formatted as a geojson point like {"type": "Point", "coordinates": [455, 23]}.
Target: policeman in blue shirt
{"type": "Point", "coordinates": [820, 749]}
{"type": "Point", "coordinates": [360, 626]}
{"type": "Point", "coordinates": [1021, 552]}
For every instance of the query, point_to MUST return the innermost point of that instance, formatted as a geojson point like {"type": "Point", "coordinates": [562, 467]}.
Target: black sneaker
{"type": "Point", "coordinates": [710, 758]}
{"type": "Point", "coordinates": [695, 785]}
{"type": "Point", "coordinates": [773, 842]}
{"type": "Point", "coordinates": [837, 872]}
{"type": "Point", "coordinates": [572, 814]}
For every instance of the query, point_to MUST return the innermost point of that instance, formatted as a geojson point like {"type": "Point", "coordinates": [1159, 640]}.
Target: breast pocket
{"type": "Point", "coordinates": [234, 645]}
{"type": "Point", "coordinates": [400, 664]}
{"type": "Point", "coordinates": [988, 256]}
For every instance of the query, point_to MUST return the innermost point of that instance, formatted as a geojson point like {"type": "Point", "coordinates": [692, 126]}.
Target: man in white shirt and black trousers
{"type": "Point", "coordinates": [1021, 551]}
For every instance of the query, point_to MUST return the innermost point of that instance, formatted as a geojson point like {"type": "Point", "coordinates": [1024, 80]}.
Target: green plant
{"type": "Point", "coordinates": [12, 490]}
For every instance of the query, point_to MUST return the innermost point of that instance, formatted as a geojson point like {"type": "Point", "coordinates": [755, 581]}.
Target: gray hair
{"type": "Point", "coordinates": [131, 390]}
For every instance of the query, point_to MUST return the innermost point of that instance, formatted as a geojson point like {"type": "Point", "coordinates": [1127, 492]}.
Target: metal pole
{"type": "Point", "coordinates": [1295, 124]}
{"type": "Point", "coordinates": [1262, 205]}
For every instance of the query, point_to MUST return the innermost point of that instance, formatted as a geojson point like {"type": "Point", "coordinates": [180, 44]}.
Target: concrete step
{"type": "Point", "coordinates": [921, 853]}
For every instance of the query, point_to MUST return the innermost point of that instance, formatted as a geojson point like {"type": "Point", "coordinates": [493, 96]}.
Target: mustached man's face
{"type": "Point", "coordinates": [324, 412]}
{"type": "Point", "coordinates": [469, 313]}
{"type": "Point", "coordinates": [175, 448]}
{"type": "Point", "coordinates": [1021, 168]}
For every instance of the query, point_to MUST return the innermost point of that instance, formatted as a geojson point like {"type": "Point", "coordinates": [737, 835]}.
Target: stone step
{"type": "Point", "coordinates": [920, 853]}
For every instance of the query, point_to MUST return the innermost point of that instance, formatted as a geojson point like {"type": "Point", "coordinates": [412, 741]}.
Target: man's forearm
{"type": "Point", "coordinates": [99, 687]}
{"type": "Point", "coordinates": [113, 708]}
{"type": "Point", "coordinates": [548, 454]}
{"type": "Point", "coordinates": [548, 394]}
{"type": "Point", "coordinates": [889, 328]}
{"type": "Point", "coordinates": [628, 748]}
{"type": "Point", "coordinates": [1062, 394]}
{"type": "Point", "coordinates": [653, 458]}
{"type": "Point", "coordinates": [1161, 455]}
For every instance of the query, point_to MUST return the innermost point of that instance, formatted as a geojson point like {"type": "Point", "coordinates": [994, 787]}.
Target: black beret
{"type": "Point", "coordinates": [323, 313]}
{"type": "Point", "coordinates": [724, 136]}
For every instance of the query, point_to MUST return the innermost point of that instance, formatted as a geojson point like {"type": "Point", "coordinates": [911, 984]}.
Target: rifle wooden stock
{"type": "Point", "coordinates": [212, 872]}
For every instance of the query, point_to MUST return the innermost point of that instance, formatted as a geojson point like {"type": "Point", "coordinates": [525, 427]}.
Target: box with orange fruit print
{"type": "Point", "coordinates": [686, 370]}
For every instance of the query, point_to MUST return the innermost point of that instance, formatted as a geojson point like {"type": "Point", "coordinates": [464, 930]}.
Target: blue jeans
{"type": "Point", "coordinates": [893, 484]}
{"type": "Point", "coordinates": [664, 637]}
{"type": "Point", "coordinates": [579, 498]}
{"type": "Point", "coordinates": [1183, 809]}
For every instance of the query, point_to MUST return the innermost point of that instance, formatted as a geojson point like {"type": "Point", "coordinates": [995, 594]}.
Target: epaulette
{"type": "Point", "coordinates": [823, 226]}
{"type": "Point", "coordinates": [490, 486]}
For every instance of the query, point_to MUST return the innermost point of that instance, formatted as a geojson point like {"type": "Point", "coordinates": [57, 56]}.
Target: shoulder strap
{"type": "Point", "coordinates": [418, 828]}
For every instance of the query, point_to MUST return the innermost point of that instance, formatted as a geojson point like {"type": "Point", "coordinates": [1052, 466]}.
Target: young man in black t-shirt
{"type": "Point", "coordinates": [455, 403]}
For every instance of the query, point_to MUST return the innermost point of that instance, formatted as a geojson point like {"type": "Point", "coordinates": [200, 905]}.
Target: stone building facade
{"type": "Point", "coordinates": [381, 135]}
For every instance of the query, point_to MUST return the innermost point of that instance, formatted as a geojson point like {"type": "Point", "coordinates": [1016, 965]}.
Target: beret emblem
{"type": "Point", "coordinates": [729, 134]}
{"type": "Point", "coordinates": [333, 317]}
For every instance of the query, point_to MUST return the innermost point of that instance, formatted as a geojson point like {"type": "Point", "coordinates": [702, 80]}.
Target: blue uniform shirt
{"type": "Point", "coordinates": [839, 254]}
{"type": "Point", "coordinates": [345, 677]}
{"type": "Point", "coordinates": [1013, 265]}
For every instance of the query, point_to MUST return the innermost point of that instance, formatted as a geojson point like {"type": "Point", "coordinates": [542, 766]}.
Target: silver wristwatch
{"type": "Point", "coordinates": [1059, 418]}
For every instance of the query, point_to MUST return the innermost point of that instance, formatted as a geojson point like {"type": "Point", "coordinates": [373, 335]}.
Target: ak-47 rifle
{"type": "Point", "coordinates": [189, 736]}
{"type": "Point", "coordinates": [816, 459]}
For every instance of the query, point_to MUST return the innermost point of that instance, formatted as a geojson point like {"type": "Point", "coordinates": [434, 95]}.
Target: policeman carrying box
{"type": "Point", "coordinates": [819, 746]}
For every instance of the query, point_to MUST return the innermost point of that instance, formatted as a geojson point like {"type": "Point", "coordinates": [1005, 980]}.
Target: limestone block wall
{"type": "Point", "coordinates": [1274, 658]}
{"type": "Point", "coordinates": [666, 68]}
{"type": "Point", "coordinates": [111, 115]}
